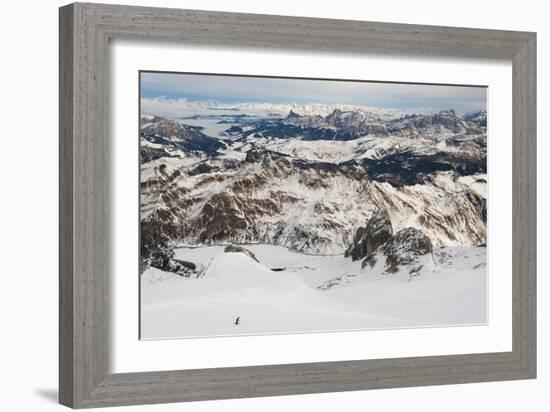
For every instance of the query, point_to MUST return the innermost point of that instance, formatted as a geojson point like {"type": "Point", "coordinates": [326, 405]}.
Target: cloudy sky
{"type": "Point", "coordinates": [232, 89]}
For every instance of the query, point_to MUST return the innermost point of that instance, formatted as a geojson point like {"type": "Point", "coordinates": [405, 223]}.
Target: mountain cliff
{"type": "Point", "coordinates": [309, 182]}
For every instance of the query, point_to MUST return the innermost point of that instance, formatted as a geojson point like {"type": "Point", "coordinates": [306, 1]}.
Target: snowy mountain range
{"type": "Point", "coordinates": [310, 180]}
{"type": "Point", "coordinates": [182, 107]}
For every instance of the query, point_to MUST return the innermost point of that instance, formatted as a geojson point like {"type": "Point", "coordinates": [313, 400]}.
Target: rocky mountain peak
{"type": "Point", "coordinates": [293, 115]}
{"type": "Point", "coordinates": [174, 137]}
{"type": "Point", "coordinates": [285, 181]}
{"type": "Point", "coordinates": [479, 118]}
{"type": "Point", "coordinates": [400, 249]}
{"type": "Point", "coordinates": [240, 249]}
{"type": "Point", "coordinates": [405, 247]}
{"type": "Point", "coordinates": [369, 238]}
{"type": "Point", "coordinates": [445, 121]}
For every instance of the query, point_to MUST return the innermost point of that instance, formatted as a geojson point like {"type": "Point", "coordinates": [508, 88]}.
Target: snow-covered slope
{"type": "Point", "coordinates": [311, 194]}
{"type": "Point", "coordinates": [176, 108]}
{"type": "Point", "coordinates": [312, 293]}
{"type": "Point", "coordinates": [350, 218]}
{"type": "Point", "coordinates": [308, 206]}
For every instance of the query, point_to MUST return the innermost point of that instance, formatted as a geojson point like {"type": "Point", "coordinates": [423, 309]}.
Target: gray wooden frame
{"type": "Point", "coordinates": [85, 31]}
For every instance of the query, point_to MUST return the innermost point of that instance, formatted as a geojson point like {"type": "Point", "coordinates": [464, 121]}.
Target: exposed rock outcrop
{"type": "Point", "coordinates": [163, 259]}
{"type": "Point", "coordinates": [189, 265]}
{"type": "Point", "coordinates": [240, 249]}
{"type": "Point", "coordinates": [172, 135]}
{"type": "Point", "coordinates": [338, 125]}
{"type": "Point", "coordinates": [444, 121]}
{"type": "Point", "coordinates": [405, 247]}
{"type": "Point", "coordinates": [368, 239]}
{"type": "Point", "coordinates": [377, 240]}
{"type": "Point", "coordinates": [310, 195]}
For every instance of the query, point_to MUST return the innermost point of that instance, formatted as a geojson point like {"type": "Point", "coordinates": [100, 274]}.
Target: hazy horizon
{"type": "Point", "coordinates": [227, 90]}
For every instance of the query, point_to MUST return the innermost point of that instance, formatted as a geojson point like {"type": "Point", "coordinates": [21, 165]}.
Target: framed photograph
{"type": "Point", "coordinates": [255, 205]}
{"type": "Point", "coordinates": [261, 217]}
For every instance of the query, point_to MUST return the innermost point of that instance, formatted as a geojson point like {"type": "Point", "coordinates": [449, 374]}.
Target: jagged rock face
{"type": "Point", "coordinates": [446, 121]}
{"type": "Point", "coordinates": [405, 168]}
{"type": "Point", "coordinates": [400, 249]}
{"type": "Point", "coordinates": [405, 247]}
{"type": "Point", "coordinates": [161, 201]}
{"type": "Point", "coordinates": [240, 249]}
{"type": "Point", "coordinates": [159, 134]}
{"type": "Point", "coordinates": [188, 265]}
{"type": "Point", "coordinates": [270, 200]}
{"type": "Point", "coordinates": [147, 154]}
{"type": "Point", "coordinates": [368, 239]}
{"type": "Point", "coordinates": [479, 118]}
{"type": "Point", "coordinates": [254, 187]}
{"type": "Point", "coordinates": [163, 259]}
{"type": "Point", "coordinates": [401, 159]}
{"type": "Point", "coordinates": [307, 206]}
{"type": "Point", "coordinates": [356, 123]}
{"type": "Point", "coordinates": [479, 203]}
{"type": "Point", "coordinates": [448, 208]}
{"type": "Point", "coordinates": [234, 130]}
{"type": "Point", "coordinates": [253, 156]}
{"type": "Point", "coordinates": [293, 115]}
{"type": "Point", "coordinates": [338, 125]}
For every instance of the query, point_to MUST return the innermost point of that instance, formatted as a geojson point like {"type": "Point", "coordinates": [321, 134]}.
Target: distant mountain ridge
{"type": "Point", "coordinates": [309, 182]}
{"type": "Point", "coordinates": [173, 108]}
{"type": "Point", "coordinates": [352, 124]}
{"type": "Point", "coordinates": [162, 137]}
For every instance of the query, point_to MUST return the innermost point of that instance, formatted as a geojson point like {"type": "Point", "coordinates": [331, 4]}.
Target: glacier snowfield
{"type": "Point", "coordinates": [310, 293]}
